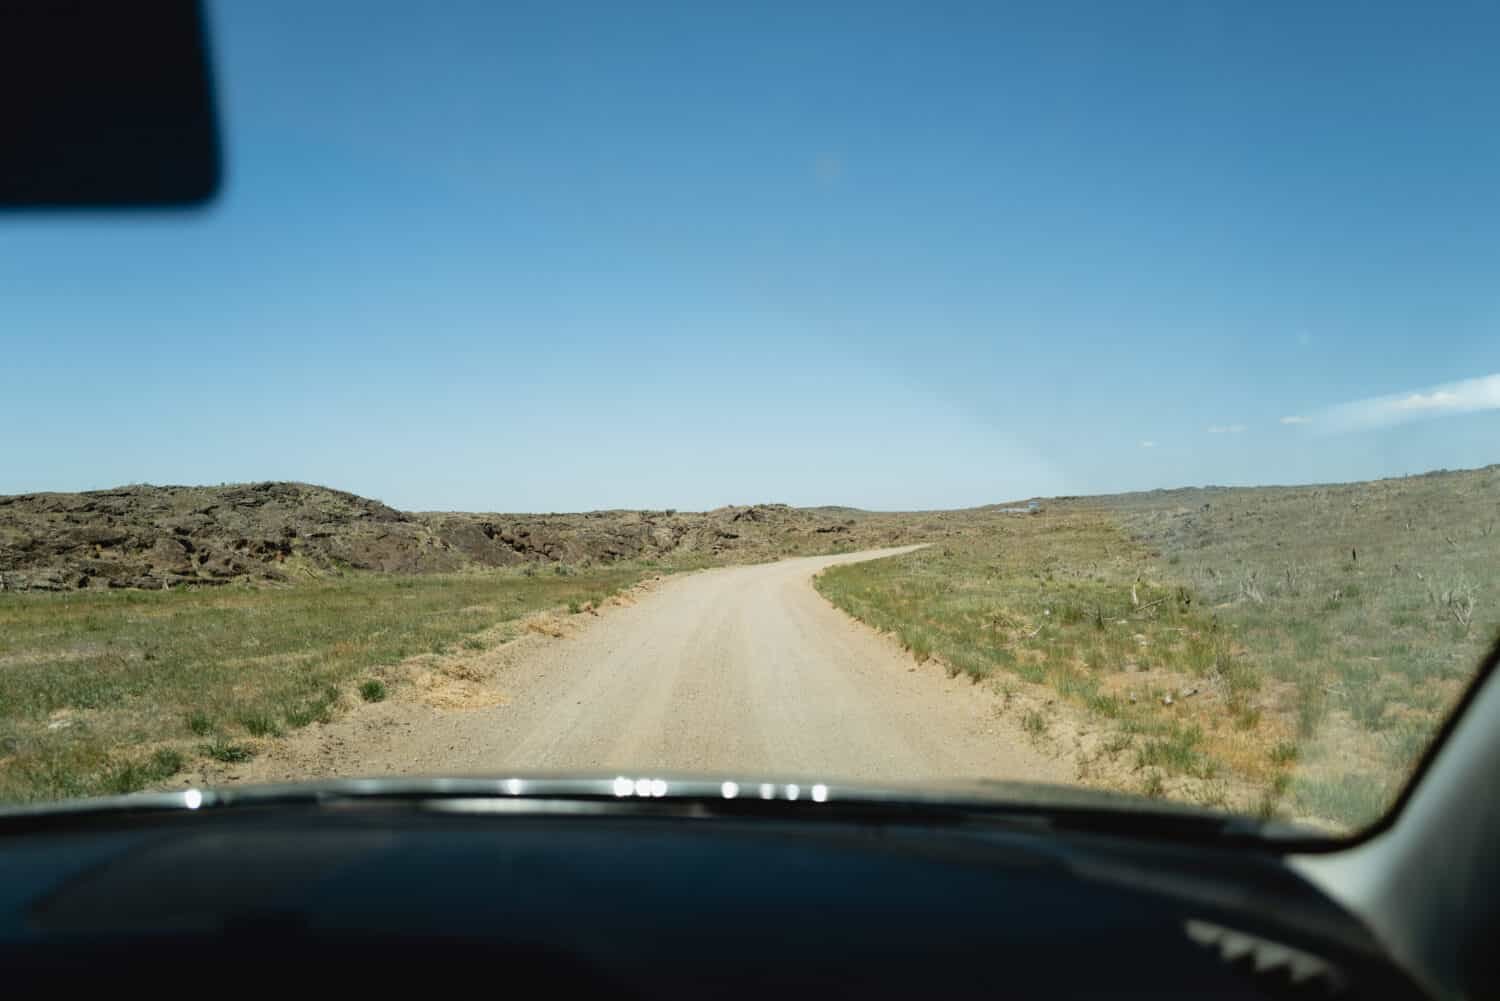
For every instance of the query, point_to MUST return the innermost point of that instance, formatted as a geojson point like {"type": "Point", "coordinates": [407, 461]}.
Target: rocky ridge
{"type": "Point", "coordinates": [161, 536]}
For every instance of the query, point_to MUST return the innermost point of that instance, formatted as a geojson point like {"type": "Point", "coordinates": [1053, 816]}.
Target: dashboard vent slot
{"type": "Point", "coordinates": [1275, 968]}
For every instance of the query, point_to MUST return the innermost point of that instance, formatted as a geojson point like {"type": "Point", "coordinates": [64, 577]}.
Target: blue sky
{"type": "Point", "coordinates": [550, 257]}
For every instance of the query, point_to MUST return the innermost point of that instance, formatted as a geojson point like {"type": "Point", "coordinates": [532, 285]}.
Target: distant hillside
{"type": "Point", "coordinates": [153, 537]}
{"type": "Point", "coordinates": [1393, 520]}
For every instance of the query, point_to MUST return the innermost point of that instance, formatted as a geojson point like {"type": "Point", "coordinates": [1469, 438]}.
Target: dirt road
{"type": "Point", "coordinates": [744, 670]}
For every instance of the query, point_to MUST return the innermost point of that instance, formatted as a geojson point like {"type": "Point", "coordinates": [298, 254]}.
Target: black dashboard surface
{"type": "Point", "coordinates": [376, 902]}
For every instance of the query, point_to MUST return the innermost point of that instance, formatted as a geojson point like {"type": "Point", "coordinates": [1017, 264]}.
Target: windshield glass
{"type": "Point", "coordinates": [1094, 394]}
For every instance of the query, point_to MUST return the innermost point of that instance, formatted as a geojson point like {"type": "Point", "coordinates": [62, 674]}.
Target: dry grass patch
{"type": "Point", "coordinates": [545, 624]}
{"type": "Point", "coordinates": [442, 690]}
{"type": "Point", "coordinates": [1214, 630]}
{"type": "Point", "coordinates": [97, 682]}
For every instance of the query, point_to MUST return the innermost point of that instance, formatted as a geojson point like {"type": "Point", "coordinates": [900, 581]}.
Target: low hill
{"type": "Point", "coordinates": [159, 536]}
{"type": "Point", "coordinates": [153, 537]}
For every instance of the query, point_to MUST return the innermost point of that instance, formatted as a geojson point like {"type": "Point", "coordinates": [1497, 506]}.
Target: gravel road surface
{"type": "Point", "coordinates": [741, 670]}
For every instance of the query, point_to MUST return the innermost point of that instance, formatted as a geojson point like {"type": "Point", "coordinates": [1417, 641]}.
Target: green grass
{"type": "Point", "coordinates": [133, 776]}
{"type": "Point", "coordinates": [1178, 752]}
{"type": "Point", "coordinates": [260, 724]}
{"type": "Point", "coordinates": [1349, 797]}
{"type": "Point", "coordinates": [227, 751]}
{"type": "Point", "coordinates": [127, 668]}
{"type": "Point", "coordinates": [373, 691]}
{"type": "Point", "coordinates": [1284, 753]}
{"type": "Point", "coordinates": [1255, 594]}
{"type": "Point", "coordinates": [1317, 677]}
{"type": "Point", "coordinates": [1034, 723]}
{"type": "Point", "coordinates": [1405, 745]}
{"type": "Point", "coordinates": [916, 640]}
{"type": "Point", "coordinates": [1055, 601]}
{"type": "Point", "coordinates": [317, 708]}
{"type": "Point", "coordinates": [1374, 648]}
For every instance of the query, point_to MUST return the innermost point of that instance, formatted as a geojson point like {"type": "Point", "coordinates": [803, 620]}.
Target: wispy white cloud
{"type": "Point", "coordinates": [1439, 400]}
{"type": "Point", "coordinates": [1225, 428]}
{"type": "Point", "coordinates": [1465, 397]}
{"type": "Point", "coordinates": [1148, 444]}
{"type": "Point", "coordinates": [1294, 419]}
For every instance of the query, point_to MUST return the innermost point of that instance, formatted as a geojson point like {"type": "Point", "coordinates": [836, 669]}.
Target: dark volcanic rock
{"type": "Point", "coordinates": [154, 537]}
{"type": "Point", "coordinates": [145, 536]}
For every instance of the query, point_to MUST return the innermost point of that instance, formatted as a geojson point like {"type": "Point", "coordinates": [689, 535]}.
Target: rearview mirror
{"type": "Point", "coordinates": [107, 104]}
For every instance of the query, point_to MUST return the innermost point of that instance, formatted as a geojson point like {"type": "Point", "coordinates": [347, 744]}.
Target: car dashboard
{"type": "Point", "coordinates": [658, 900]}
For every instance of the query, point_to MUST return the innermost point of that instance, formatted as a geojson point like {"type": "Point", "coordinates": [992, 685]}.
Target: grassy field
{"type": "Point", "coordinates": [1282, 650]}
{"type": "Point", "coordinates": [115, 691]}
{"type": "Point", "coordinates": [1285, 651]}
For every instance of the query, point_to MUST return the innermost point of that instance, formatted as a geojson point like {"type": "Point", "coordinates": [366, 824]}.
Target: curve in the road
{"type": "Point", "coordinates": [742, 670]}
